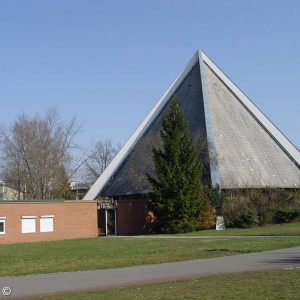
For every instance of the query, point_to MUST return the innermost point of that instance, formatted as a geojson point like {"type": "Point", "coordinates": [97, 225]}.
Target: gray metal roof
{"type": "Point", "coordinates": [248, 155]}
{"type": "Point", "coordinates": [246, 149]}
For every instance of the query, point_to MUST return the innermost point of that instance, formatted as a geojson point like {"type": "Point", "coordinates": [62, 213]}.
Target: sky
{"type": "Point", "coordinates": [109, 62]}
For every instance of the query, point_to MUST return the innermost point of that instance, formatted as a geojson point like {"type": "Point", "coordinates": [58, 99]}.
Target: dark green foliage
{"type": "Point", "coordinates": [285, 215]}
{"type": "Point", "coordinates": [245, 219]}
{"type": "Point", "coordinates": [177, 199]}
{"type": "Point", "coordinates": [216, 198]}
{"type": "Point", "coordinates": [267, 200]}
{"type": "Point", "coordinates": [238, 213]}
{"type": "Point", "coordinates": [269, 205]}
{"type": "Point", "coordinates": [69, 195]}
{"type": "Point", "coordinates": [263, 203]}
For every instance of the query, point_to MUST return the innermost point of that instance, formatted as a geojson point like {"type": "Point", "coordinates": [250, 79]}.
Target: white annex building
{"type": "Point", "coordinates": [246, 149]}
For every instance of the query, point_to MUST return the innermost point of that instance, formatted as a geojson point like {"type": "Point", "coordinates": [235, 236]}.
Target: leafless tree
{"type": "Point", "coordinates": [102, 153]}
{"type": "Point", "coordinates": [35, 154]}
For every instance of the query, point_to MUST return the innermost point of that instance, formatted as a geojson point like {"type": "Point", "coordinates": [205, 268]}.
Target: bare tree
{"type": "Point", "coordinates": [102, 153]}
{"type": "Point", "coordinates": [35, 154]}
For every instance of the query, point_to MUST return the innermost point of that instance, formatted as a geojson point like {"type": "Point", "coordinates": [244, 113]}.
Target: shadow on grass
{"type": "Point", "coordinates": [229, 251]}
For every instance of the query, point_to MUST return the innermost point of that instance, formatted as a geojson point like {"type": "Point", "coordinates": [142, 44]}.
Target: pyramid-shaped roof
{"type": "Point", "coordinates": [245, 149]}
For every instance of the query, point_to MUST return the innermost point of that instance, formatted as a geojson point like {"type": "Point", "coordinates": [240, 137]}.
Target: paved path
{"type": "Point", "coordinates": [199, 236]}
{"type": "Point", "coordinates": [70, 281]}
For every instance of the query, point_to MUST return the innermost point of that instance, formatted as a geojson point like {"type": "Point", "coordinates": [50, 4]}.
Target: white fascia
{"type": "Point", "coordinates": [276, 134]}
{"type": "Point", "coordinates": [128, 146]}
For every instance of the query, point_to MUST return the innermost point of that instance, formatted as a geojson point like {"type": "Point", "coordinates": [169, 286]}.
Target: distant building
{"type": "Point", "coordinates": [8, 193]}
{"type": "Point", "coordinates": [79, 189]}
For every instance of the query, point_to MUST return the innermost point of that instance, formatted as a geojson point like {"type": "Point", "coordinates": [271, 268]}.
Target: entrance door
{"type": "Point", "coordinates": [110, 222]}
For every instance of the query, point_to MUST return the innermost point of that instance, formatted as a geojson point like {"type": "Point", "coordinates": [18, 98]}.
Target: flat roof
{"type": "Point", "coordinates": [45, 201]}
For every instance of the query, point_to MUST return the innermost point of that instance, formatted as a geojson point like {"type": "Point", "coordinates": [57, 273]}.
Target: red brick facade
{"type": "Point", "coordinates": [71, 220]}
{"type": "Point", "coordinates": [133, 217]}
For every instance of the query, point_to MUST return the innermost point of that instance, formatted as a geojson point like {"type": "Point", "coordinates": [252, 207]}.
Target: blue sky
{"type": "Point", "coordinates": [108, 62]}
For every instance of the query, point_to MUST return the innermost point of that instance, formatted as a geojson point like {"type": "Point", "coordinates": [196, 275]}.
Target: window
{"type": "Point", "coordinates": [28, 224]}
{"type": "Point", "coordinates": [2, 225]}
{"type": "Point", "coordinates": [46, 223]}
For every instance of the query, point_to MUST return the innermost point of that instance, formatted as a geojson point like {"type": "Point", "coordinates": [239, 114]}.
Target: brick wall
{"type": "Point", "coordinates": [133, 217]}
{"type": "Point", "coordinates": [72, 219]}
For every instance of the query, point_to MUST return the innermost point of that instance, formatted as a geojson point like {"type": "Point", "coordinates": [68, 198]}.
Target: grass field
{"type": "Point", "coordinates": [290, 229]}
{"type": "Point", "coordinates": [103, 253]}
{"type": "Point", "coordinates": [264, 285]}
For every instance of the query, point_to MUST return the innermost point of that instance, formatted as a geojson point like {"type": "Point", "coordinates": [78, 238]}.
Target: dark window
{"type": "Point", "coordinates": [2, 226]}
{"type": "Point", "coordinates": [110, 222]}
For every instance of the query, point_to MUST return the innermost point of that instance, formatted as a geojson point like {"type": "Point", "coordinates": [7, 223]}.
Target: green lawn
{"type": "Point", "coordinates": [264, 285]}
{"type": "Point", "coordinates": [102, 253]}
{"type": "Point", "coordinates": [290, 229]}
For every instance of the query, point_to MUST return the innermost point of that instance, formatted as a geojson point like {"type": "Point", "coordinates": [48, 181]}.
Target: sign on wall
{"type": "Point", "coordinates": [107, 204]}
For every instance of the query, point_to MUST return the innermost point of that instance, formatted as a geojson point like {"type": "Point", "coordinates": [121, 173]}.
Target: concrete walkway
{"type": "Point", "coordinates": [71, 281]}
{"type": "Point", "coordinates": [199, 236]}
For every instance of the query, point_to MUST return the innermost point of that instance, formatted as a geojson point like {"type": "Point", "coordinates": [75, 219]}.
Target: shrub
{"type": "Point", "coordinates": [260, 200]}
{"type": "Point", "coordinates": [265, 206]}
{"type": "Point", "coordinates": [207, 218]}
{"type": "Point", "coordinates": [246, 219]}
{"type": "Point", "coordinates": [285, 215]}
{"type": "Point", "coordinates": [239, 215]}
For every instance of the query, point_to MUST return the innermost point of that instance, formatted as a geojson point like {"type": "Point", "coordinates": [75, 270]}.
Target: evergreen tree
{"type": "Point", "coordinates": [177, 199]}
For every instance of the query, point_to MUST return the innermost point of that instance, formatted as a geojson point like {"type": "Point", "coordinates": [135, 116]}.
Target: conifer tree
{"type": "Point", "coordinates": [177, 199]}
